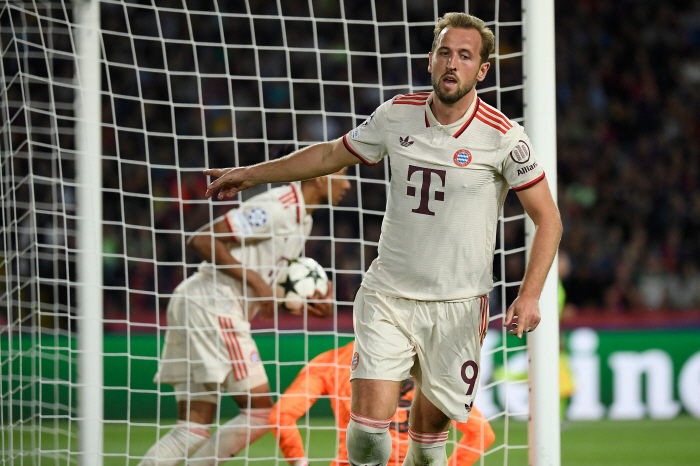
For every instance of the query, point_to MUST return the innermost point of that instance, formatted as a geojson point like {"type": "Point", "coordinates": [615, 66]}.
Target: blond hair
{"type": "Point", "coordinates": [465, 21]}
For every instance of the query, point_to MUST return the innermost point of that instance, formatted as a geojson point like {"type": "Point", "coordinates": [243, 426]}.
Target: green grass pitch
{"type": "Point", "coordinates": [596, 443]}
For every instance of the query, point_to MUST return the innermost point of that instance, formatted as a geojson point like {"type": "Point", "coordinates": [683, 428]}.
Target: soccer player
{"type": "Point", "coordinates": [208, 345]}
{"type": "Point", "coordinates": [423, 305]}
{"type": "Point", "coordinates": [328, 374]}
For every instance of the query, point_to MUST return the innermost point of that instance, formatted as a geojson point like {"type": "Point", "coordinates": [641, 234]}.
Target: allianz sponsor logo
{"type": "Point", "coordinates": [640, 384]}
{"type": "Point", "coordinates": [522, 171]}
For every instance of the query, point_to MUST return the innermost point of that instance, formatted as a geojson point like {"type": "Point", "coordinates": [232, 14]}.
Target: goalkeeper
{"type": "Point", "coordinates": [208, 345]}
{"type": "Point", "coordinates": [328, 374]}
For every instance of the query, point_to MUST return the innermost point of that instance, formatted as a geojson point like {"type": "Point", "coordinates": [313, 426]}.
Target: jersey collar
{"type": "Point", "coordinates": [458, 127]}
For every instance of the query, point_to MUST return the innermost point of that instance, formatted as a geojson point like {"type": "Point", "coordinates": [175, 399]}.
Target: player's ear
{"type": "Point", "coordinates": [430, 62]}
{"type": "Point", "coordinates": [483, 69]}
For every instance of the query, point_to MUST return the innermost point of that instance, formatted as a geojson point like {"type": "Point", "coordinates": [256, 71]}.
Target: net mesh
{"type": "Point", "coordinates": [188, 85]}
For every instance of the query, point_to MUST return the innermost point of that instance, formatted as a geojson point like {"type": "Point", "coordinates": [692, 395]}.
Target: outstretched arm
{"type": "Point", "coordinates": [309, 162]}
{"type": "Point", "coordinates": [540, 206]}
{"type": "Point", "coordinates": [294, 403]}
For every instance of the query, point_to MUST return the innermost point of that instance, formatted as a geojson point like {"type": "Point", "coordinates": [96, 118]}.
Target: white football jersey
{"type": "Point", "coordinates": [270, 229]}
{"type": "Point", "coordinates": [448, 185]}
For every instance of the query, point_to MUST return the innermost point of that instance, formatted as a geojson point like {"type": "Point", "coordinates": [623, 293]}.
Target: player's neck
{"type": "Point", "coordinates": [447, 114]}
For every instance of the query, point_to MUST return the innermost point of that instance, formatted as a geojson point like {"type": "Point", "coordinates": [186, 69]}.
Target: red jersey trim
{"type": "Point", "coordinates": [464, 127]}
{"type": "Point", "coordinates": [296, 199]}
{"type": "Point", "coordinates": [498, 115]}
{"type": "Point", "coordinates": [230, 227]}
{"type": "Point", "coordinates": [484, 318]}
{"type": "Point", "coordinates": [427, 123]}
{"type": "Point", "coordinates": [409, 102]}
{"type": "Point", "coordinates": [491, 124]}
{"type": "Point", "coordinates": [530, 184]}
{"type": "Point", "coordinates": [416, 93]}
{"type": "Point", "coordinates": [352, 151]}
{"type": "Point", "coordinates": [240, 371]}
{"type": "Point", "coordinates": [494, 120]}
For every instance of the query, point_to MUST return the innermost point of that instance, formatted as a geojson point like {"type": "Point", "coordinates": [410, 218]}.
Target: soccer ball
{"type": "Point", "coordinates": [302, 278]}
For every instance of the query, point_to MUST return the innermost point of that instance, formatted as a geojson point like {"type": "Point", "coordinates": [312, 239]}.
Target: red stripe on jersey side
{"type": "Point", "coordinates": [242, 364]}
{"type": "Point", "coordinates": [409, 102]}
{"type": "Point", "coordinates": [498, 115]}
{"type": "Point", "coordinates": [491, 124]}
{"type": "Point", "coordinates": [484, 318]}
{"type": "Point", "coordinates": [530, 184]}
{"type": "Point", "coordinates": [464, 127]}
{"type": "Point", "coordinates": [481, 311]}
{"type": "Point", "coordinates": [494, 120]}
{"type": "Point", "coordinates": [427, 123]}
{"type": "Point", "coordinates": [230, 227]}
{"type": "Point", "coordinates": [235, 347]}
{"type": "Point", "coordinates": [296, 200]}
{"type": "Point", "coordinates": [235, 356]}
{"type": "Point", "coordinates": [352, 151]}
{"type": "Point", "coordinates": [229, 347]}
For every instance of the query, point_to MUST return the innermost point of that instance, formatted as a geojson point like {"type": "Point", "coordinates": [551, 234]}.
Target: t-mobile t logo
{"type": "Point", "coordinates": [425, 188]}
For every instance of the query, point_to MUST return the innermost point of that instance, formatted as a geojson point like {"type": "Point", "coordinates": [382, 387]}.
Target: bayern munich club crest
{"type": "Point", "coordinates": [462, 158]}
{"type": "Point", "coordinates": [355, 360]}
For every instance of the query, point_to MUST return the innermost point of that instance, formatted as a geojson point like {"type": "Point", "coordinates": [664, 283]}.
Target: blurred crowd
{"type": "Point", "coordinates": [628, 100]}
{"type": "Point", "coordinates": [628, 107]}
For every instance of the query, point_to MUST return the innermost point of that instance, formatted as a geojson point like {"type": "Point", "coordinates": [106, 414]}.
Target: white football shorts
{"type": "Point", "coordinates": [437, 342]}
{"type": "Point", "coordinates": [208, 340]}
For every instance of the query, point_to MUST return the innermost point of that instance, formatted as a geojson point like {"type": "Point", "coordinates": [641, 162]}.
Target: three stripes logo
{"type": "Point", "coordinates": [405, 142]}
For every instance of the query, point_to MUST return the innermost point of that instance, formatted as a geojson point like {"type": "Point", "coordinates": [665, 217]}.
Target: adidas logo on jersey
{"type": "Point", "coordinates": [405, 142]}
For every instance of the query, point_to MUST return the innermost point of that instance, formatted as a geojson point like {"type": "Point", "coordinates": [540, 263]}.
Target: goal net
{"type": "Point", "coordinates": [183, 86]}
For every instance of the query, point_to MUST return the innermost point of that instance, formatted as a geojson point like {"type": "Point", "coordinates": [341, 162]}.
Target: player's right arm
{"type": "Point", "coordinates": [293, 403]}
{"type": "Point", "coordinates": [309, 162]}
{"type": "Point", "coordinates": [219, 233]}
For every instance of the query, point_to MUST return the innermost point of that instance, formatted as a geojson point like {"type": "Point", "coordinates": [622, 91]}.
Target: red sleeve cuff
{"type": "Point", "coordinates": [352, 151]}
{"type": "Point", "coordinates": [530, 184]}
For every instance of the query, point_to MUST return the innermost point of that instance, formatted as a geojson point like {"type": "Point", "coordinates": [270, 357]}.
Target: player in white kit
{"type": "Point", "coordinates": [208, 345]}
{"type": "Point", "coordinates": [423, 306]}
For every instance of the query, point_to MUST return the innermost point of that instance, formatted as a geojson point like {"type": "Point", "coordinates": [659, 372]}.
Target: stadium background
{"type": "Point", "coordinates": [628, 102]}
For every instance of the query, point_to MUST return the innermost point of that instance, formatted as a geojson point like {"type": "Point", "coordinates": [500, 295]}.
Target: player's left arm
{"type": "Point", "coordinates": [539, 205]}
{"type": "Point", "coordinates": [296, 400]}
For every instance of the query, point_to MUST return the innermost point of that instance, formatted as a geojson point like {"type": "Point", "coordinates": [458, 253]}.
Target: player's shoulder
{"type": "Point", "coordinates": [282, 202]}
{"type": "Point", "coordinates": [494, 126]}
{"type": "Point", "coordinates": [285, 194]}
{"type": "Point", "coordinates": [417, 99]}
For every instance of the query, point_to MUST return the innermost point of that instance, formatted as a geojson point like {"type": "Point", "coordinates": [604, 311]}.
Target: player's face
{"type": "Point", "coordinates": [339, 185]}
{"type": "Point", "coordinates": [456, 66]}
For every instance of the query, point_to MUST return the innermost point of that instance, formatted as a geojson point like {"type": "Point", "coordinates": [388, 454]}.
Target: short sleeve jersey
{"type": "Point", "coordinates": [448, 185]}
{"type": "Point", "coordinates": [269, 230]}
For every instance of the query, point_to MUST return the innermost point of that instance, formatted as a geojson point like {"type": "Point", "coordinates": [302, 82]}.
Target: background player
{"type": "Point", "coordinates": [208, 345]}
{"type": "Point", "coordinates": [328, 374]}
{"type": "Point", "coordinates": [423, 305]}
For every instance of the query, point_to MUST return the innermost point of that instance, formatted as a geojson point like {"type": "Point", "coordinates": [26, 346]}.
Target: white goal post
{"type": "Point", "coordinates": [140, 91]}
